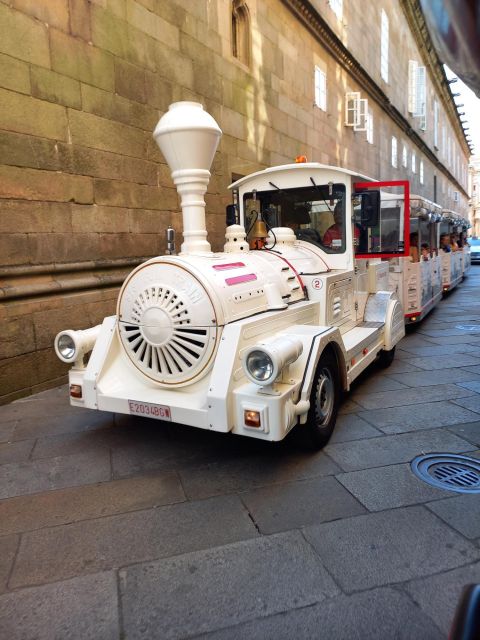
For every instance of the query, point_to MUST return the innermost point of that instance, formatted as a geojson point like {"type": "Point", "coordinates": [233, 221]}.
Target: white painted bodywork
{"type": "Point", "coordinates": [174, 349]}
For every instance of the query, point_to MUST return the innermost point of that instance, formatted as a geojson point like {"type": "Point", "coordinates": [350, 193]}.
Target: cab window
{"type": "Point", "coordinates": [379, 222]}
{"type": "Point", "coordinates": [316, 214]}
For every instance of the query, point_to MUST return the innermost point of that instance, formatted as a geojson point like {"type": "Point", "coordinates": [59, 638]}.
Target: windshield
{"type": "Point", "coordinates": [316, 214]}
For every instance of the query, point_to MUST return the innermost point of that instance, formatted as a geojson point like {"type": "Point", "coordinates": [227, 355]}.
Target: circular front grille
{"type": "Point", "coordinates": [164, 328]}
{"type": "Point", "coordinates": [449, 471]}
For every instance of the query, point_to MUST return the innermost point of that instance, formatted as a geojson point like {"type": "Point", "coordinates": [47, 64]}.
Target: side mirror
{"type": "Point", "coordinates": [370, 208]}
{"type": "Point", "coordinates": [230, 215]}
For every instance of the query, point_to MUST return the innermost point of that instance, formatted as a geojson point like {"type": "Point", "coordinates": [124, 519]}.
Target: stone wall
{"type": "Point", "coordinates": [84, 192]}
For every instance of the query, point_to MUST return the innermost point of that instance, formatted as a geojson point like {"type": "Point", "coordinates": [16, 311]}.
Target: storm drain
{"type": "Point", "coordinates": [448, 471]}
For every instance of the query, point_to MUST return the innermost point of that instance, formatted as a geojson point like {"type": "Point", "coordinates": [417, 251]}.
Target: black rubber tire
{"type": "Point", "coordinates": [324, 402]}
{"type": "Point", "coordinates": [385, 358]}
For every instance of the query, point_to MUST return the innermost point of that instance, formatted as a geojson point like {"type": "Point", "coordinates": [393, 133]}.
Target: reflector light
{"type": "Point", "coordinates": [252, 418]}
{"type": "Point", "coordinates": [365, 351]}
{"type": "Point", "coordinates": [76, 390]}
{"type": "Point", "coordinates": [352, 361]}
{"type": "Point", "coordinates": [301, 159]}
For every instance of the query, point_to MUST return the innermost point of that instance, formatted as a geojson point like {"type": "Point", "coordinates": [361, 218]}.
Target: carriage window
{"type": "Point", "coordinates": [316, 214]}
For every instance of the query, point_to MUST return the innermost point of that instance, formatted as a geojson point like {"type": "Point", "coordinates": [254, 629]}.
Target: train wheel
{"type": "Point", "coordinates": [385, 358]}
{"type": "Point", "coordinates": [324, 402]}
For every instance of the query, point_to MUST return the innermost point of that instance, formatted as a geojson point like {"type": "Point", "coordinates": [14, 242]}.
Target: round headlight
{"type": "Point", "coordinates": [259, 365]}
{"type": "Point", "coordinates": [66, 346]}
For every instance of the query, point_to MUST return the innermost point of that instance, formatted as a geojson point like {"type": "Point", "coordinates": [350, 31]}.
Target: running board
{"type": "Point", "coordinates": [361, 337]}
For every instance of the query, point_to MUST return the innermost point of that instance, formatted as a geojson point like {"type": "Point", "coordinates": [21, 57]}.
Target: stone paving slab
{"type": "Point", "coordinates": [454, 350]}
{"type": "Point", "coordinates": [342, 618]}
{"type": "Point", "coordinates": [473, 385]}
{"type": "Point", "coordinates": [475, 370]}
{"type": "Point", "coordinates": [375, 382]}
{"type": "Point", "coordinates": [462, 512]}
{"type": "Point", "coordinates": [472, 403]}
{"type": "Point", "coordinates": [389, 487]}
{"type": "Point", "coordinates": [84, 607]}
{"type": "Point", "coordinates": [420, 379]}
{"type": "Point", "coordinates": [8, 549]}
{"type": "Point", "coordinates": [432, 363]}
{"type": "Point", "coordinates": [388, 547]}
{"type": "Point", "coordinates": [462, 339]}
{"type": "Point", "coordinates": [6, 430]}
{"type": "Point", "coordinates": [395, 449]}
{"type": "Point", "coordinates": [198, 592]}
{"type": "Point", "coordinates": [297, 504]}
{"type": "Point", "coordinates": [231, 476]}
{"type": "Point", "coordinates": [15, 451]}
{"type": "Point", "coordinates": [82, 420]}
{"type": "Point", "coordinates": [18, 478]}
{"type": "Point", "coordinates": [428, 415]}
{"type": "Point", "coordinates": [351, 427]}
{"type": "Point", "coordinates": [401, 397]}
{"type": "Point", "coordinates": [469, 432]}
{"type": "Point", "coordinates": [57, 553]}
{"type": "Point", "coordinates": [26, 513]}
{"type": "Point", "coordinates": [438, 595]}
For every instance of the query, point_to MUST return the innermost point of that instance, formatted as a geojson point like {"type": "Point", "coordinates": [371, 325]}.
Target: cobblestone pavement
{"type": "Point", "coordinates": [115, 527]}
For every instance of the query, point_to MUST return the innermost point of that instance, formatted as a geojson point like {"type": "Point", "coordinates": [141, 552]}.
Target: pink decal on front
{"type": "Point", "coordinates": [239, 279]}
{"type": "Point", "coordinates": [226, 267]}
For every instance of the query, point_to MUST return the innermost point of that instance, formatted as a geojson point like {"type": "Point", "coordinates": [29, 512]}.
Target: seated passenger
{"type": "Point", "coordinates": [454, 243]}
{"type": "Point", "coordinates": [445, 243]}
{"type": "Point", "coordinates": [333, 236]}
{"type": "Point", "coordinates": [425, 251]}
{"type": "Point", "coordinates": [414, 247]}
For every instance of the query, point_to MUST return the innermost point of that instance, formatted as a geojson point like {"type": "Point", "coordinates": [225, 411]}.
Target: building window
{"type": "Point", "coordinates": [404, 156]}
{"type": "Point", "coordinates": [320, 88]}
{"type": "Point", "coordinates": [384, 47]}
{"type": "Point", "coordinates": [414, 163]}
{"type": "Point", "coordinates": [435, 124]}
{"type": "Point", "coordinates": [421, 171]}
{"type": "Point", "coordinates": [394, 152]}
{"type": "Point", "coordinates": [337, 7]}
{"type": "Point", "coordinates": [417, 92]}
{"type": "Point", "coordinates": [241, 31]}
{"type": "Point", "coordinates": [370, 127]}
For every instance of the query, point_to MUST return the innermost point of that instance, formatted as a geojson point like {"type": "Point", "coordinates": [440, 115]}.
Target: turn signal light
{"type": "Point", "coordinates": [301, 159]}
{"type": "Point", "coordinates": [76, 390]}
{"type": "Point", "coordinates": [252, 418]}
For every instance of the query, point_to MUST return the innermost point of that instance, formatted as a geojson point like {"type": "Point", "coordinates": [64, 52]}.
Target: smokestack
{"type": "Point", "coordinates": [188, 137]}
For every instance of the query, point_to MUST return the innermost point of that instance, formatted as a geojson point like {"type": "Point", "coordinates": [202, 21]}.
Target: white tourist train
{"type": "Point", "coordinates": [265, 335]}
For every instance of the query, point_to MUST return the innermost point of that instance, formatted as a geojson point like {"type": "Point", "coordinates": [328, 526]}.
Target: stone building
{"type": "Point", "coordinates": [85, 194]}
{"type": "Point", "coordinates": [474, 190]}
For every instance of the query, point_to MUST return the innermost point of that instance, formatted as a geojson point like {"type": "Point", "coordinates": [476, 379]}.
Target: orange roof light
{"type": "Point", "coordinates": [301, 159]}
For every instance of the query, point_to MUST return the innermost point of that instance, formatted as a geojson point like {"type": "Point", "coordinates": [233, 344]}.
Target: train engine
{"type": "Point", "coordinates": [246, 341]}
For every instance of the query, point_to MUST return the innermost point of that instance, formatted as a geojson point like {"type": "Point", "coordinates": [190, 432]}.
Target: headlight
{"type": "Point", "coordinates": [66, 348]}
{"type": "Point", "coordinates": [259, 365]}
{"type": "Point", "coordinates": [264, 362]}
{"type": "Point", "coordinates": [71, 346]}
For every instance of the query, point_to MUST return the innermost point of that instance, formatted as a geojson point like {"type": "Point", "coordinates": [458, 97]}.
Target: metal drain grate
{"type": "Point", "coordinates": [448, 471]}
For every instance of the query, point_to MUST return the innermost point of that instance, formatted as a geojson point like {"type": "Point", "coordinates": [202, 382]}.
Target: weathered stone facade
{"type": "Point", "coordinates": [85, 194]}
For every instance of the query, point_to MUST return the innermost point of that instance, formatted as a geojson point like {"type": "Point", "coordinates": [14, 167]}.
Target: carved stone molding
{"type": "Point", "coordinates": [318, 27]}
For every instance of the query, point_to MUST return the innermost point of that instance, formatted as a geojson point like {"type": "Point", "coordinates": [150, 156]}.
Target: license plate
{"type": "Point", "coordinates": [147, 410]}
